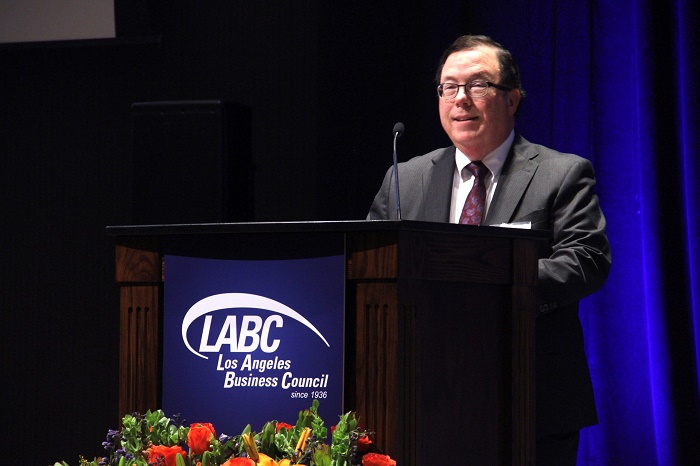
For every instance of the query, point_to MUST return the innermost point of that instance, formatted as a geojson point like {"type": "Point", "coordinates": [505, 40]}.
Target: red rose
{"type": "Point", "coordinates": [169, 453]}
{"type": "Point", "coordinates": [375, 459]}
{"type": "Point", "coordinates": [363, 443]}
{"type": "Point", "coordinates": [239, 462]}
{"type": "Point", "coordinates": [199, 437]}
{"type": "Point", "coordinates": [285, 425]}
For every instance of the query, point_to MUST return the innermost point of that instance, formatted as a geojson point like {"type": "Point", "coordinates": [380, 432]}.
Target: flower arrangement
{"type": "Point", "coordinates": [152, 439]}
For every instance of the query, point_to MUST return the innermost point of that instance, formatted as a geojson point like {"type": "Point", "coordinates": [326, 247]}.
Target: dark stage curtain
{"type": "Point", "coordinates": [616, 81]}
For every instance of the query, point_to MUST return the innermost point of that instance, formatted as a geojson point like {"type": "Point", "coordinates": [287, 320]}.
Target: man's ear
{"type": "Point", "coordinates": [513, 100]}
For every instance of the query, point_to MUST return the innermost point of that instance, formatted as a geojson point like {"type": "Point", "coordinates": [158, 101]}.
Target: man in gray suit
{"type": "Point", "coordinates": [522, 184]}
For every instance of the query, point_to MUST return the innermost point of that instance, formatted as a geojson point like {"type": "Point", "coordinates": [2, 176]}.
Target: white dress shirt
{"type": "Point", "coordinates": [463, 179]}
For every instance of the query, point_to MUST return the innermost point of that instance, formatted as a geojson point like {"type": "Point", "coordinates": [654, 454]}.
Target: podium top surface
{"type": "Point", "coordinates": [339, 226]}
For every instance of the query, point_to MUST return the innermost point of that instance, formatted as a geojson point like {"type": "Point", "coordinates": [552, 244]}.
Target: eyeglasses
{"type": "Point", "coordinates": [476, 88]}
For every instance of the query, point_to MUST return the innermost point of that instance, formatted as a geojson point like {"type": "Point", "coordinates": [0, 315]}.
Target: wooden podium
{"type": "Point", "coordinates": [439, 327]}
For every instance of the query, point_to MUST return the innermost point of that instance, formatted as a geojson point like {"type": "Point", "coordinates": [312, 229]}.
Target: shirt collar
{"type": "Point", "coordinates": [494, 161]}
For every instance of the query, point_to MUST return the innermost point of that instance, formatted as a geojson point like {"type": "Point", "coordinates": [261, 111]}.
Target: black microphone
{"type": "Point", "coordinates": [398, 131]}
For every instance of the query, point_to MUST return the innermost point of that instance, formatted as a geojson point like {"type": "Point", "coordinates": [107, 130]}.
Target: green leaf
{"type": "Point", "coordinates": [322, 456]}
{"type": "Point", "coordinates": [267, 439]}
{"type": "Point", "coordinates": [286, 441]}
{"type": "Point", "coordinates": [179, 460]}
{"type": "Point", "coordinates": [206, 458]}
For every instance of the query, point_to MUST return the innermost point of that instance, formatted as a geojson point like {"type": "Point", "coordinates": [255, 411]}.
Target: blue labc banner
{"type": "Point", "coordinates": [247, 342]}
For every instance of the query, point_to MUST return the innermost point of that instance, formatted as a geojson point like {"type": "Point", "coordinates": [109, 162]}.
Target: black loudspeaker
{"type": "Point", "coordinates": [192, 162]}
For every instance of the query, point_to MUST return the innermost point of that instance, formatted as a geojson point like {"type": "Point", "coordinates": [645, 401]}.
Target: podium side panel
{"type": "Point", "coordinates": [376, 366]}
{"type": "Point", "coordinates": [462, 350]}
{"type": "Point", "coordinates": [523, 364]}
{"type": "Point", "coordinates": [138, 273]}
{"type": "Point", "coordinates": [137, 261]}
{"type": "Point", "coordinates": [139, 349]}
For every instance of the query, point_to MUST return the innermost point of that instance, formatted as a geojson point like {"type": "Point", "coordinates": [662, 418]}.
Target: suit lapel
{"type": "Point", "coordinates": [437, 184]}
{"type": "Point", "coordinates": [513, 181]}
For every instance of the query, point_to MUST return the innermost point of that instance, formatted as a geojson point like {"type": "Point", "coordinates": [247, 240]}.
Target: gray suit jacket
{"type": "Point", "coordinates": [556, 192]}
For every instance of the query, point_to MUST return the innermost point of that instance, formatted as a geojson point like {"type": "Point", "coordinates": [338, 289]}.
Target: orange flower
{"type": "Point", "coordinates": [199, 437]}
{"type": "Point", "coordinates": [363, 444]}
{"type": "Point", "coordinates": [239, 462]}
{"type": "Point", "coordinates": [376, 459]}
{"type": "Point", "coordinates": [169, 453]}
{"type": "Point", "coordinates": [285, 425]}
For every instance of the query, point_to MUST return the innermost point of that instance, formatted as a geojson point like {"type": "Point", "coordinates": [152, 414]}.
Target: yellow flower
{"type": "Point", "coordinates": [261, 459]}
{"type": "Point", "coordinates": [301, 444]}
{"type": "Point", "coordinates": [264, 460]}
{"type": "Point", "coordinates": [288, 462]}
{"type": "Point", "coordinates": [250, 447]}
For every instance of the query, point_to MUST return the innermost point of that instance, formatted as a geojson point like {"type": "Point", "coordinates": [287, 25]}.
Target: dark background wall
{"type": "Point", "coordinates": [325, 84]}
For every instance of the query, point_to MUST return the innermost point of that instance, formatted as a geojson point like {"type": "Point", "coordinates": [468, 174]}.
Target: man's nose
{"type": "Point", "coordinates": [463, 96]}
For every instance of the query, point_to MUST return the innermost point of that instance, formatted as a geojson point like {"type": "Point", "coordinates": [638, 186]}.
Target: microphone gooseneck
{"type": "Point", "coordinates": [398, 131]}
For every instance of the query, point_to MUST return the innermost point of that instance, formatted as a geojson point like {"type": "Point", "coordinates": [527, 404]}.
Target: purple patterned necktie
{"type": "Point", "coordinates": [473, 211]}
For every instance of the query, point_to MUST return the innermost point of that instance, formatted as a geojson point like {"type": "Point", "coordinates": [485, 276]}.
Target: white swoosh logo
{"type": "Point", "coordinates": [218, 302]}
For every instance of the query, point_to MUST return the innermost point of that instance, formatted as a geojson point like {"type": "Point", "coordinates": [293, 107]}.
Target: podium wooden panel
{"type": "Point", "coordinates": [439, 327]}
